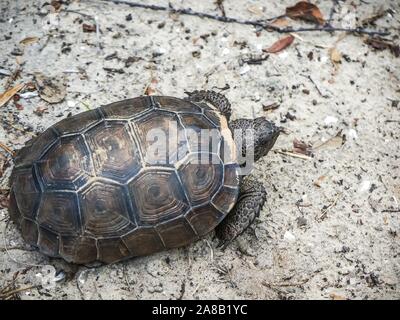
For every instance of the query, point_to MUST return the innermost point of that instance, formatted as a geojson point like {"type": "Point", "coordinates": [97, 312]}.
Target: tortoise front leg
{"type": "Point", "coordinates": [251, 200]}
{"type": "Point", "coordinates": [218, 100]}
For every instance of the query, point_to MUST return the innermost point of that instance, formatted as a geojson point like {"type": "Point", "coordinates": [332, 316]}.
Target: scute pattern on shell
{"type": "Point", "coordinates": [88, 189]}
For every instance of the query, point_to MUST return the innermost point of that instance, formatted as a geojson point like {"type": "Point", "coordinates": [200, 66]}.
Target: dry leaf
{"type": "Point", "coordinates": [150, 89]}
{"type": "Point", "coordinates": [281, 22]}
{"type": "Point", "coordinates": [257, 10]}
{"type": "Point", "coordinates": [332, 143]}
{"type": "Point", "coordinates": [302, 148]}
{"type": "Point", "coordinates": [335, 55]}
{"type": "Point", "coordinates": [6, 96]}
{"type": "Point", "coordinates": [382, 44]}
{"type": "Point", "coordinates": [280, 45]}
{"type": "Point", "coordinates": [335, 296]}
{"type": "Point", "coordinates": [52, 90]}
{"type": "Point", "coordinates": [270, 106]}
{"type": "Point", "coordinates": [319, 181]}
{"type": "Point", "coordinates": [88, 27]}
{"type": "Point", "coordinates": [56, 4]}
{"type": "Point", "coordinates": [40, 110]}
{"type": "Point", "coordinates": [29, 40]}
{"type": "Point", "coordinates": [305, 11]}
{"type": "Point", "coordinates": [371, 20]}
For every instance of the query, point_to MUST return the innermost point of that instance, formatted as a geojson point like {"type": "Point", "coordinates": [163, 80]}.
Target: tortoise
{"type": "Point", "coordinates": [91, 188]}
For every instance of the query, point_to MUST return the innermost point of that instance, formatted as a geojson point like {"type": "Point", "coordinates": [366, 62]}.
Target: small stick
{"type": "Point", "coordinates": [335, 3]}
{"type": "Point", "coordinates": [391, 210]}
{"type": "Point", "coordinates": [6, 295]}
{"type": "Point", "coordinates": [12, 153]}
{"type": "Point", "coordinates": [292, 154]}
{"type": "Point", "coordinates": [97, 34]}
{"type": "Point", "coordinates": [315, 85]}
{"type": "Point", "coordinates": [285, 284]}
{"type": "Point", "coordinates": [256, 23]}
{"type": "Point", "coordinates": [325, 211]}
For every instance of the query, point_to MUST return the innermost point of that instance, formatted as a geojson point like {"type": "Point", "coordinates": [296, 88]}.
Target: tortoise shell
{"type": "Point", "coordinates": [91, 188]}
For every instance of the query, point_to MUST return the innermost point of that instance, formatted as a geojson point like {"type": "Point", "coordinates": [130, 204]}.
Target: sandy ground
{"type": "Point", "coordinates": [338, 240]}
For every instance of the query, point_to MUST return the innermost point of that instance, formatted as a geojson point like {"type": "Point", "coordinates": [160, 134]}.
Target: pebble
{"type": "Point", "coordinates": [352, 134]}
{"type": "Point", "coordinates": [365, 185]}
{"type": "Point", "coordinates": [244, 69]}
{"type": "Point", "coordinates": [330, 120]}
{"type": "Point", "coordinates": [288, 236]}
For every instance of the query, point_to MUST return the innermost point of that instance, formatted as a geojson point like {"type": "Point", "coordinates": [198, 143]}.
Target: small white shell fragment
{"type": "Point", "coordinates": [28, 95]}
{"type": "Point", "coordinates": [283, 54]}
{"type": "Point", "coordinates": [353, 134]}
{"type": "Point", "coordinates": [324, 59]}
{"type": "Point", "coordinates": [225, 51]}
{"type": "Point", "coordinates": [83, 276]}
{"type": "Point", "coordinates": [71, 104]}
{"type": "Point", "coordinates": [330, 120]}
{"type": "Point", "coordinates": [365, 185]}
{"type": "Point", "coordinates": [244, 69]}
{"type": "Point", "coordinates": [288, 236]}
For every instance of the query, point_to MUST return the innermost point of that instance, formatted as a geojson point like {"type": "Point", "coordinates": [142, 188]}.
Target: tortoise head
{"type": "Point", "coordinates": [265, 135]}
{"type": "Point", "coordinates": [255, 137]}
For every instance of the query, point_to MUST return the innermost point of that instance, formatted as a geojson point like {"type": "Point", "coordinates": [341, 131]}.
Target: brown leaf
{"type": "Point", "coordinates": [318, 182]}
{"type": "Point", "coordinates": [335, 55]}
{"type": "Point", "coordinates": [29, 40]}
{"type": "Point", "coordinates": [40, 110]}
{"type": "Point", "coordinates": [372, 19]}
{"type": "Point", "coordinates": [88, 27]}
{"type": "Point", "coordinates": [257, 10]}
{"type": "Point", "coordinates": [150, 88]}
{"type": "Point", "coordinates": [382, 44]}
{"type": "Point", "coordinates": [281, 22]}
{"type": "Point", "coordinates": [335, 296]}
{"type": "Point", "coordinates": [56, 4]}
{"type": "Point", "coordinates": [280, 45]}
{"type": "Point", "coordinates": [4, 97]}
{"type": "Point", "coordinates": [149, 91]}
{"type": "Point", "coordinates": [302, 148]}
{"type": "Point", "coordinates": [305, 11]}
{"type": "Point", "coordinates": [52, 90]}
{"type": "Point", "coordinates": [270, 106]}
{"type": "Point", "coordinates": [332, 143]}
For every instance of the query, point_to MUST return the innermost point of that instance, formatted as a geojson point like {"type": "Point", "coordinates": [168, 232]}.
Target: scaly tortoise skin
{"type": "Point", "coordinates": [91, 188]}
{"type": "Point", "coordinates": [84, 190]}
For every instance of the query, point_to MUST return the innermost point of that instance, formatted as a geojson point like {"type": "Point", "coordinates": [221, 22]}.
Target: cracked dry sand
{"type": "Point", "coordinates": [339, 240]}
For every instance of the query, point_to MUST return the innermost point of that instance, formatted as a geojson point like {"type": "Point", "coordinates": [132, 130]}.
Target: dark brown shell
{"type": "Point", "coordinates": [88, 188]}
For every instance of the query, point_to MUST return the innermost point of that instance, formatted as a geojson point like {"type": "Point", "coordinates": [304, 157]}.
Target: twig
{"type": "Point", "coordinates": [8, 150]}
{"type": "Point", "coordinates": [257, 23]}
{"type": "Point", "coordinates": [391, 210]}
{"type": "Point", "coordinates": [8, 252]}
{"type": "Point", "coordinates": [8, 294]}
{"type": "Point", "coordinates": [315, 85]}
{"type": "Point", "coordinates": [16, 248]}
{"type": "Point", "coordinates": [80, 13]}
{"type": "Point", "coordinates": [335, 3]}
{"type": "Point", "coordinates": [220, 5]}
{"type": "Point", "coordinates": [97, 34]}
{"type": "Point", "coordinates": [297, 284]}
{"type": "Point", "coordinates": [292, 154]}
{"type": "Point", "coordinates": [325, 211]}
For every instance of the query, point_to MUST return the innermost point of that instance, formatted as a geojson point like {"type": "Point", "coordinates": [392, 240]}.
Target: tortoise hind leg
{"type": "Point", "coordinates": [251, 200]}
{"type": "Point", "coordinates": [218, 100]}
